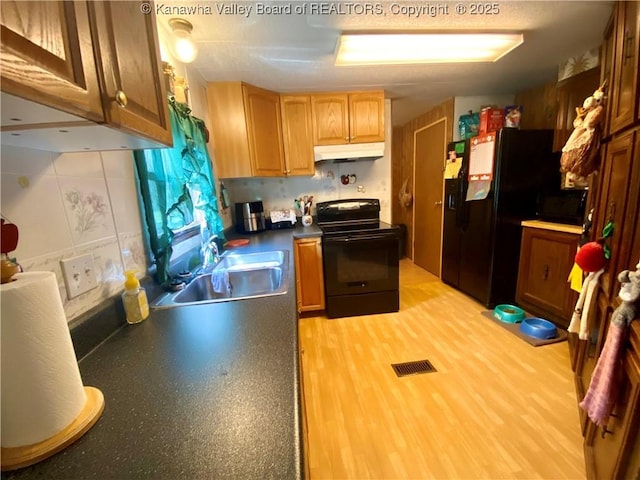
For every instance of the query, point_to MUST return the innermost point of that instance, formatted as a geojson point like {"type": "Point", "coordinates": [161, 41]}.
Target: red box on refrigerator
{"type": "Point", "coordinates": [491, 120]}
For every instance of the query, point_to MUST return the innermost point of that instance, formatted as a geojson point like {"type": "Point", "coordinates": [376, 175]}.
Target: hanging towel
{"type": "Point", "coordinates": [580, 317]}
{"type": "Point", "coordinates": [220, 281]}
{"type": "Point", "coordinates": [600, 397]}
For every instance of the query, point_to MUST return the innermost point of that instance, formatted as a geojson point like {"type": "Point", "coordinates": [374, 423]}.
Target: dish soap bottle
{"type": "Point", "coordinates": [134, 299]}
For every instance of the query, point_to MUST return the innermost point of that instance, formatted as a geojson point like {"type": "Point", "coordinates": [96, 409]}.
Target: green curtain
{"type": "Point", "coordinates": [166, 177]}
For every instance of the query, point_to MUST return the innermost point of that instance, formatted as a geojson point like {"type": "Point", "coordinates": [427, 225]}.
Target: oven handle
{"type": "Point", "coordinates": [358, 238]}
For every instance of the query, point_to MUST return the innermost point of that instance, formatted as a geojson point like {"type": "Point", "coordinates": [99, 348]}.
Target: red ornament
{"type": "Point", "coordinates": [9, 237]}
{"type": "Point", "coordinates": [590, 257]}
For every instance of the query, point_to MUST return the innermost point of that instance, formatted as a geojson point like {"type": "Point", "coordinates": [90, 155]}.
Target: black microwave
{"type": "Point", "coordinates": [562, 206]}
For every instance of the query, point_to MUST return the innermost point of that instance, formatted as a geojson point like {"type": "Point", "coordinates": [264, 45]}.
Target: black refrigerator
{"type": "Point", "coordinates": [481, 237]}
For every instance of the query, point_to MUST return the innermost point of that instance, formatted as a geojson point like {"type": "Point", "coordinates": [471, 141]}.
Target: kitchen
{"type": "Point", "coordinates": [36, 178]}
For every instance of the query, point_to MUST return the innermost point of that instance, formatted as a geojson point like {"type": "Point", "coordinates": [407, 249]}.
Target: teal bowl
{"type": "Point", "coordinates": [508, 313]}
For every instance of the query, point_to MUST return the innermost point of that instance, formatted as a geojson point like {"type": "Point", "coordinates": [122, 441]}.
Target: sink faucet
{"type": "Point", "coordinates": [210, 253]}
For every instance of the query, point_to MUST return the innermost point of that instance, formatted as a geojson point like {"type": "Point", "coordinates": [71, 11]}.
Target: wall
{"type": "Point", "coordinates": [276, 193]}
{"type": "Point", "coordinates": [71, 204]}
{"type": "Point", "coordinates": [74, 203]}
{"type": "Point", "coordinates": [403, 161]}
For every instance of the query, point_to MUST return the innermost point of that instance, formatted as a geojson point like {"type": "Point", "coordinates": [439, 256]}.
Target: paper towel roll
{"type": "Point", "coordinates": [42, 390]}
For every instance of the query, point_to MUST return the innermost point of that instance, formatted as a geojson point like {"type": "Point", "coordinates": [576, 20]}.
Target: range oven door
{"type": "Point", "coordinates": [362, 263]}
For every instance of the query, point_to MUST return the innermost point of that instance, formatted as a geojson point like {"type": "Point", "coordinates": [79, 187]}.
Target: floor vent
{"type": "Point", "coordinates": [413, 368]}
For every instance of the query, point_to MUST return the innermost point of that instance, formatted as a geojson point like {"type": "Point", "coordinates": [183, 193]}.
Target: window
{"type": "Point", "coordinates": [177, 189]}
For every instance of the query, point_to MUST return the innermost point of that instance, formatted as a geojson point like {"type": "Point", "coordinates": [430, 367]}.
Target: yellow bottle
{"type": "Point", "coordinates": [134, 298]}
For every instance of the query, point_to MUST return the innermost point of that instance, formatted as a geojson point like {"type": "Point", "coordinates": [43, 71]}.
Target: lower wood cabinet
{"type": "Point", "coordinates": [609, 450]}
{"type": "Point", "coordinates": [309, 274]}
{"type": "Point", "coordinates": [546, 258]}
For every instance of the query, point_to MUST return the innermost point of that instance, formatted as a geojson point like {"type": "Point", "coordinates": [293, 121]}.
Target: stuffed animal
{"type": "Point", "coordinates": [629, 294]}
{"type": "Point", "coordinates": [581, 152]}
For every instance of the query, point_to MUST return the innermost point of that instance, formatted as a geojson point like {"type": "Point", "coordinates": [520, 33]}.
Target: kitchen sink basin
{"type": "Point", "coordinates": [235, 277]}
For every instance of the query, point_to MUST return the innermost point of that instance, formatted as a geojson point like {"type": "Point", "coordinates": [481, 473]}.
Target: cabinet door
{"type": "Point", "coordinates": [571, 94]}
{"type": "Point", "coordinates": [624, 94]}
{"type": "Point", "coordinates": [330, 119]}
{"type": "Point", "coordinates": [262, 109]}
{"type": "Point", "coordinates": [309, 274]}
{"type": "Point", "coordinates": [610, 446]}
{"type": "Point", "coordinates": [545, 262]}
{"type": "Point", "coordinates": [607, 58]}
{"type": "Point", "coordinates": [47, 57]}
{"type": "Point", "coordinates": [618, 198]}
{"type": "Point", "coordinates": [297, 134]}
{"type": "Point", "coordinates": [229, 130]}
{"type": "Point", "coordinates": [589, 350]}
{"type": "Point", "coordinates": [133, 89]}
{"type": "Point", "coordinates": [366, 117]}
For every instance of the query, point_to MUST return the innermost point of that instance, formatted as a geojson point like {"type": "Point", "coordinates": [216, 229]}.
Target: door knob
{"type": "Point", "coordinates": [438, 203]}
{"type": "Point", "coordinates": [121, 99]}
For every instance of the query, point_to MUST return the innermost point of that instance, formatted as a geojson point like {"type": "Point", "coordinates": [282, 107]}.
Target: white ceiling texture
{"type": "Point", "coordinates": [294, 52]}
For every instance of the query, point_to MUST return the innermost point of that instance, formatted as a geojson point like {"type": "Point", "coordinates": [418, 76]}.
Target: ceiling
{"type": "Point", "coordinates": [295, 53]}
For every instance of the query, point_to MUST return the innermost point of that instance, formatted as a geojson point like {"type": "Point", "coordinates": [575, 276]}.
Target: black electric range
{"type": "Point", "coordinates": [360, 258]}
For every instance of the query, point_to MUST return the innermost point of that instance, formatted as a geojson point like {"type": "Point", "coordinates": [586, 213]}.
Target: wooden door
{"type": "Point", "coordinates": [610, 445]}
{"type": "Point", "coordinates": [309, 274]}
{"type": "Point", "coordinates": [571, 94]}
{"type": "Point", "coordinates": [624, 94]}
{"type": "Point", "coordinates": [428, 158]}
{"type": "Point", "coordinates": [330, 118]}
{"type": "Point", "coordinates": [366, 117]}
{"type": "Point", "coordinates": [133, 88]}
{"type": "Point", "coordinates": [546, 258]}
{"type": "Point", "coordinates": [231, 156]}
{"type": "Point", "coordinates": [47, 56]}
{"type": "Point", "coordinates": [264, 127]}
{"type": "Point", "coordinates": [297, 134]}
{"type": "Point", "coordinates": [617, 193]}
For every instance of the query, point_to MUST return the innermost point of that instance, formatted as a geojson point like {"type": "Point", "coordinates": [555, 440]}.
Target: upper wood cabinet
{"type": "Point", "coordinates": [618, 202]}
{"type": "Point", "coordinates": [97, 61]}
{"type": "Point", "coordinates": [47, 56]}
{"type": "Point", "coordinates": [297, 134]}
{"type": "Point", "coordinates": [247, 130]}
{"type": "Point", "coordinates": [133, 89]}
{"type": "Point", "coordinates": [340, 118]}
{"type": "Point", "coordinates": [571, 93]}
{"type": "Point", "coordinates": [624, 97]}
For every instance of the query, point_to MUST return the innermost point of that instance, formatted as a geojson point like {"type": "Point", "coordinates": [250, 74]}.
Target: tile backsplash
{"type": "Point", "coordinates": [372, 180]}
{"type": "Point", "coordinates": [70, 204]}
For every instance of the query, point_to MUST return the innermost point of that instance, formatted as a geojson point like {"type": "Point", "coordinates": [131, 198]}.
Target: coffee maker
{"type": "Point", "coordinates": [250, 217]}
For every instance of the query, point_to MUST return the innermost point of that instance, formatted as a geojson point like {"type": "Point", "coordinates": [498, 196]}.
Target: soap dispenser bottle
{"type": "Point", "coordinates": [134, 298]}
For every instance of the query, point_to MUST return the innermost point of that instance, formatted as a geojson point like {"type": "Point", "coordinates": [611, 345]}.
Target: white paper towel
{"type": "Point", "coordinates": [42, 391]}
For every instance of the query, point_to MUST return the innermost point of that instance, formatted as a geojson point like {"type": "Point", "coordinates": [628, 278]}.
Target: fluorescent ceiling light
{"type": "Point", "coordinates": [402, 48]}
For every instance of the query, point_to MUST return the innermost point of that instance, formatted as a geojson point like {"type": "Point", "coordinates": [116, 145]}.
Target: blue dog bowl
{"type": "Point", "coordinates": [538, 328]}
{"type": "Point", "coordinates": [508, 313]}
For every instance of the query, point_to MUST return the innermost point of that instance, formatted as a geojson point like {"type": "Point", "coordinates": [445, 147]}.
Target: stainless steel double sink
{"type": "Point", "coordinates": [234, 277]}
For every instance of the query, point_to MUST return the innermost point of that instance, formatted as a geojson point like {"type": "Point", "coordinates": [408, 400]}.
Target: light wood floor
{"type": "Point", "coordinates": [496, 408]}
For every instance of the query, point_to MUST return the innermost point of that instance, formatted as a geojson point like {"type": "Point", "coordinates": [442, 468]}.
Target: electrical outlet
{"type": "Point", "coordinates": [79, 274]}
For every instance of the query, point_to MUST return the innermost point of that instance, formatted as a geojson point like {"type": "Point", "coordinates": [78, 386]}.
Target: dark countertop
{"type": "Point", "coordinates": [205, 391]}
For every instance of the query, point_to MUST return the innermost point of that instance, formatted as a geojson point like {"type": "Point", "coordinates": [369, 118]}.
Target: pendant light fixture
{"type": "Point", "coordinates": [182, 45]}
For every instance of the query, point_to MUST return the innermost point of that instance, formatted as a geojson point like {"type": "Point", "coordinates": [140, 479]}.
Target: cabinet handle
{"type": "Point", "coordinates": [121, 98]}
{"type": "Point", "coordinates": [438, 203]}
{"type": "Point", "coordinates": [605, 431]}
{"type": "Point", "coordinates": [546, 272]}
{"type": "Point", "coordinates": [628, 45]}
{"type": "Point", "coordinates": [346, 139]}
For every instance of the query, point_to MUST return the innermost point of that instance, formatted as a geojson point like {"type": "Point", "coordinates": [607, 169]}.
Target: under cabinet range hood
{"type": "Point", "coordinates": [350, 152]}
